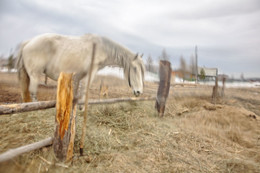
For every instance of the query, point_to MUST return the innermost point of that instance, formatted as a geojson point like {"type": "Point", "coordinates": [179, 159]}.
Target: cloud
{"type": "Point", "coordinates": [226, 32]}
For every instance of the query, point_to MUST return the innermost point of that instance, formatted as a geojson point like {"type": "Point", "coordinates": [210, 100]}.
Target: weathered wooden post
{"type": "Point", "coordinates": [223, 86]}
{"type": "Point", "coordinates": [63, 142]}
{"type": "Point", "coordinates": [85, 115]}
{"type": "Point", "coordinates": [164, 86]}
{"type": "Point", "coordinates": [215, 91]}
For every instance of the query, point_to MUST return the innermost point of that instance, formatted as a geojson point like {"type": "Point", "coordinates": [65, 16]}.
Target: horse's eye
{"type": "Point", "coordinates": [135, 69]}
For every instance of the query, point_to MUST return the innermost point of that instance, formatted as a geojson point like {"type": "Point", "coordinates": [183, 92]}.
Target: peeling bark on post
{"type": "Point", "coordinates": [64, 135]}
{"type": "Point", "coordinates": [164, 86]}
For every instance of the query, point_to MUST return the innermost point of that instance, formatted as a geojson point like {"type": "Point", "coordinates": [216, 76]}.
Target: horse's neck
{"type": "Point", "coordinates": [122, 60]}
{"type": "Point", "coordinates": [117, 54]}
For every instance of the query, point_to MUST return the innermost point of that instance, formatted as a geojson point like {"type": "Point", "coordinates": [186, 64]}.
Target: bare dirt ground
{"type": "Point", "coordinates": [193, 136]}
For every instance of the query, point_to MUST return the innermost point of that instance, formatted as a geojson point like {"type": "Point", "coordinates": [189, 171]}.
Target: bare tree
{"type": "Point", "coordinates": [242, 77]}
{"type": "Point", "coordinates": [183, 67]}
{"type": "Point", "coordinates": [202, 74]}
{"type": "Point", "coordinates": [149, 63]}
{"type": "Point", "coordinates": [164, 55]}
{"type": "Point", "coordinates": [232, 78]}
{"type": "Point", "coordinates": [11, 63]}
{"type": "Point", "coordinates": [193, 65]}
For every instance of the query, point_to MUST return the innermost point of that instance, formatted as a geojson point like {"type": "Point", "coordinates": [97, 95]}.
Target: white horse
{"type": "Point", "coordinates": [51, 54]}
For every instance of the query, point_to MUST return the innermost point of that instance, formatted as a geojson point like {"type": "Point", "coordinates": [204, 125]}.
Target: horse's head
{"type": "Point", "coordinates": [135, 75]}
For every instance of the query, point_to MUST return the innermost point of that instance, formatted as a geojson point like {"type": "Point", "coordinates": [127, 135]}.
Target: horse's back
{"type": "Point", "coordinates": [52, 53]}
{"type": "Point", "coordinates": [41, 44]}
{"type": "Point", "coordinates": [38, 51]}
{"type": "Point", "coordinates": [51, 44]}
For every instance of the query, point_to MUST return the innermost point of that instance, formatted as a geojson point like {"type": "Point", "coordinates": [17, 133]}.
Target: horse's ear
{"type": "Point", "coordinates": [142, 55]}
{"type": "Point", "coordinates": [136, 56]}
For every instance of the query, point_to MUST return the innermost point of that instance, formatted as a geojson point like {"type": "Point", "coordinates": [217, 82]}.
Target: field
{"type": "Point", "coordinates": [193, 136]}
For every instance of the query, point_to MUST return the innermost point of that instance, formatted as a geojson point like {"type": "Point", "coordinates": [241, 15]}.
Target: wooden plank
{"type": "Point", "coordinates": [63, 142]}
{"type": "Point", "coordinates": [164, 86]}
{"type": "Point", "coordinates": [10, 154]}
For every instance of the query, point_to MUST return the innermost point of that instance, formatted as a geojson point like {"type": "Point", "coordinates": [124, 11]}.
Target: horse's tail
{"type": "Point", "coordinates": [23, 76]}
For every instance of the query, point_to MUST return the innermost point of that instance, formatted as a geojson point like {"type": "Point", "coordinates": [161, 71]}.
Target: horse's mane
{"type": "Point", "coordinates": [120, 54]}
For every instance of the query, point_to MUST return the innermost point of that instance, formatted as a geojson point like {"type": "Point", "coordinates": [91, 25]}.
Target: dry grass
{"type": "Point", "coordinates": [194, 136]}
{"type": "Point", "coordinates": [130, 137]}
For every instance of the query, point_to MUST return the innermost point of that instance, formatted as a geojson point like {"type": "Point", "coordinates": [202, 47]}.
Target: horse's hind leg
{"type": "Point", "coordinates": [24, 81]}
{"type": "Point", "coordinates": [33, 87]}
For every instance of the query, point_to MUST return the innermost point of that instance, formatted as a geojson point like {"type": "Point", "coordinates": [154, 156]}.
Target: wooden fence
{"type": "Point", "coordinates": [34, 106]}
{"type": "Point", "coordinates": [63, 141]}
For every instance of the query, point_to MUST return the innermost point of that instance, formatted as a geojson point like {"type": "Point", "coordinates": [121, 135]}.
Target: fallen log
{"type": "Point", "coordinates": [32, 106]}
{"type": "Point", "coordinates": [10, 154]}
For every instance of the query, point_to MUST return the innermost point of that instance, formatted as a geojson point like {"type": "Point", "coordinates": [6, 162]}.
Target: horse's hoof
{"type": "Point", "coordinates": [81, 108]}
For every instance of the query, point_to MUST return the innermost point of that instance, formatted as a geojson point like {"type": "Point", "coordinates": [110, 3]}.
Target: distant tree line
{"type": "Point", "coordinates": [185, 71]}
{"type": "Point", "coordinates": [8, 62]}
{"type": "Point", "coordinates": [11, 62]}
{"type": "Point", "coordinates": [151, 66]}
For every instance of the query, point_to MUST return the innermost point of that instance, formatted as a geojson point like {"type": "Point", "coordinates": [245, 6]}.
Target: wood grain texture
{"type": "Point", "coordinates": [164, 86]}
{"type": "Point", "coordinates": [64, 135]}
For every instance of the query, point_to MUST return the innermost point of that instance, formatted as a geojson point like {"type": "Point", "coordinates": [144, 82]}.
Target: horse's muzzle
{"type": "Point", "coordinates": [137, 93]}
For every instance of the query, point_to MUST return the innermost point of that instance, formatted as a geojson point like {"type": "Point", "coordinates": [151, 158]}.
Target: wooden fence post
{"type": "Point", "coordinates": [215, 91]}
{"type": "Point", "coordinates": [223, 86]}
{"type": "Point", "coordinates": [84, 123]}
{"type": "Point", "coordinates": [164, 86]}
{"type": "Point", "coordinates": [64, 135]}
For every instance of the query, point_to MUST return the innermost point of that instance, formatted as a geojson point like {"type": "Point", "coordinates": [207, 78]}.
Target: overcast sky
{"type": "Point", "coordinates": [227, 32]}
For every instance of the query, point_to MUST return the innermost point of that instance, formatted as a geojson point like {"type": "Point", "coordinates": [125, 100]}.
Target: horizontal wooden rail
{"type": "Point", "coordinates": [25, 107]}
{"type": "Point", "coordinates": [32, 106]}
{"type": "Point", "coordinates": [10, 154]}
{"type": "Point", "coordinates": [116, 100]}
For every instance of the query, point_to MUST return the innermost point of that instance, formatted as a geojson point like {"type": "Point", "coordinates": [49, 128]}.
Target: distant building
{"type": "Point", "coordinates": [210, 74]}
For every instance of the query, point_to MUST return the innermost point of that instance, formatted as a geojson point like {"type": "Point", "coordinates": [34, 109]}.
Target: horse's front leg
{"type": "Point", "coordinates": [83, 88]}
{"type": "Point", "coordinates": [33, 87]}
{"type": "Point", "coordinates": [76, 81]}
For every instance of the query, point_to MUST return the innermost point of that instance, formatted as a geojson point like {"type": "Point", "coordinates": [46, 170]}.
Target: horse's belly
{"type": "Point", "coordinates": [69, 66]}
